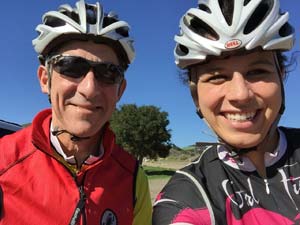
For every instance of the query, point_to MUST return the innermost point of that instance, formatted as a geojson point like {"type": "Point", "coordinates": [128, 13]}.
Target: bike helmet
{"type": "Point", "coordinates": [220, 26]}
{"type": "Point", "coordinates": [208, 31]}
{"type": "Point", "coordinates": [84, 22]}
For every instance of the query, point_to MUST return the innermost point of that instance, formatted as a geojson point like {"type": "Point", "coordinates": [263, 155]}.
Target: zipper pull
{"type": "Point", "coordinates": [79, 207]}
{"type": "Point", "coordinates": [267, 186]}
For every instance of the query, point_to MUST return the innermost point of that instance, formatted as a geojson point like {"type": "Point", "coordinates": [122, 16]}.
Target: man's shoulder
{"type": "Point", "coordinates": [124, 159]}
{"type": "Point", "coordinates": [15, 147]}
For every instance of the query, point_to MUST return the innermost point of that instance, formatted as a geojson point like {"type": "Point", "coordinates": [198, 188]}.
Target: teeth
{"type": "Point", "coordinates": [240, 116]}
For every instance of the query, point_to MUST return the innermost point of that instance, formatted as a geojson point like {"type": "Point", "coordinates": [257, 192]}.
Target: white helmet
{"type": "Point", "coordinates": [206, 31]}
{"type": "Point", "coordinates": [85, 21]}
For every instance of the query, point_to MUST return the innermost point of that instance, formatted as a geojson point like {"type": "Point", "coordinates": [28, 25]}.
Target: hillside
{"type": "Point", "coordinates": [176, 159]}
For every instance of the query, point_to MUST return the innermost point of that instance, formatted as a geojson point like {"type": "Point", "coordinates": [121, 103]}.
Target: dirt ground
{"type": "Point", "coordinates": [157, 184]}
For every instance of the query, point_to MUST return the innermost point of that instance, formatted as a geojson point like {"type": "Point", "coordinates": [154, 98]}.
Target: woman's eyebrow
{"type": "Point", "coordinates": [262, 62]}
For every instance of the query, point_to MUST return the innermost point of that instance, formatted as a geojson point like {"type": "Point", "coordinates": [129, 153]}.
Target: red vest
{"type": "Point", "coordinates": [38, 190]}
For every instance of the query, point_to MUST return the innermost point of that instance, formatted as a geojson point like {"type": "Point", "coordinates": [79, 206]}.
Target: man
{"type": "Point", "coordinates": [66, 168]}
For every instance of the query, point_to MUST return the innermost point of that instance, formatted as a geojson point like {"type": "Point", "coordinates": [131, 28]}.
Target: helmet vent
{"type": "Point", "coordinates": [182, 50]}
{"type": "Point", "coordinates": [246, 2]}
{"type": "Point", "coordinates": [286, 30]}
{"type": "Point", "coordinates": [227, 8]}
{"type": "Point", "coordinates": [204, 8]}
{"type": "Point", "coordinates": [91, 14]}
{"type": "Point", "coordinates": [54, 22]}
{"type": "Point", "coordinates": [72, 14]}
{"type": "Point", "coordinates": [122, 31]}
{"type": "Point", "coordinates": [201, 28]}
{"type": "Point", "coordinates": [258, 16]}
{"type": "Point", "coordinates": [108, 20]}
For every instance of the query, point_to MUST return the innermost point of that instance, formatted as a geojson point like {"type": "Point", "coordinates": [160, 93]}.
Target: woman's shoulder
{"type": "Point", "coordinates": [292, 134]}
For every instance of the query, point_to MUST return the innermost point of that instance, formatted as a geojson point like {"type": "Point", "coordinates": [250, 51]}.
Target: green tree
{"type": "Point", "coordinates": [142, 130]}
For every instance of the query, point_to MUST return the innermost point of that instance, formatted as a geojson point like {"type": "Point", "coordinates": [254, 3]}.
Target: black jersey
{"type": "Point", "coordinates": [216, 190]}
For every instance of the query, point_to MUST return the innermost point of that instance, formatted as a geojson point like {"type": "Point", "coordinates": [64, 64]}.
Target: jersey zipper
{"type": "Point", "coordinates": [81, 203]}
{"type": "Point", "coordinates": [267, 186]}
{"type": "Point", "coordinates": [79, 208]}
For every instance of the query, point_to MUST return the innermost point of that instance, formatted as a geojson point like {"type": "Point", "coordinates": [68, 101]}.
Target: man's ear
{"type": "Point", "coordinates": [42, 74]}
{"type": "Point", "coordinates": [122, 88]}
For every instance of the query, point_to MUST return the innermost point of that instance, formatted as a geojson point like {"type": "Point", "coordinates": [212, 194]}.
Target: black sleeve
{"type": "Point", "coordinates": [180, 201]}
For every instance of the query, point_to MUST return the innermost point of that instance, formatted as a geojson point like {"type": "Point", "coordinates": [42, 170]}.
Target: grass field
{"type": "Point", "coordinates": [158, 172]}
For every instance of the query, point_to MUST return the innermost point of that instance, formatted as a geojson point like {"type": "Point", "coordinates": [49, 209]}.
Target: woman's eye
{"type": "Point", "coordinates": [257, 72]}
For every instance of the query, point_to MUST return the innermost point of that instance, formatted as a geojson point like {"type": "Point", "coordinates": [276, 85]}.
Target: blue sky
{"type": "Point", "coordinates": [152, 78]}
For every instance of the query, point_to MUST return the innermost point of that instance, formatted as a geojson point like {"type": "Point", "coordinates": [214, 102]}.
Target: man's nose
{"type": "Point", "coordinates": [88, 86]}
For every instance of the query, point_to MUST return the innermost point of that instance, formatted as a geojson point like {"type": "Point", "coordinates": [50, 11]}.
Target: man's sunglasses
{"type": "Point", "coordinates": [77, 67]}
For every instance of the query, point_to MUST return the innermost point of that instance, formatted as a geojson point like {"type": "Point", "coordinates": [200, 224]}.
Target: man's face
{"type": "Point", "coordinates": [240, 96]}
{"type": "Point", "coordinates": [82, 105]}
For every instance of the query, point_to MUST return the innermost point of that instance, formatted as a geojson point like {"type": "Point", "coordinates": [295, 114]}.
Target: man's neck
{"type": "Point", "coordinates": [81, 149]}
{"type": "Point", "coordinates": [76, 150]}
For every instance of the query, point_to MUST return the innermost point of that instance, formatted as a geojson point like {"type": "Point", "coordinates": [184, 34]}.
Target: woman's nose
{"type": "Point", "coordinates": [239, 89]}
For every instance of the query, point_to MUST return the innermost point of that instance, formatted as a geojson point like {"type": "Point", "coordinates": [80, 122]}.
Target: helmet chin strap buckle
{"type": "Point", "coordinates": [199, 113]}
{"type": "Point", "coordinates": [76, 138]}
{"type": "Point", "coordinates": [236, 153]}
{"type": "Point", "coordinates": [73, 137]}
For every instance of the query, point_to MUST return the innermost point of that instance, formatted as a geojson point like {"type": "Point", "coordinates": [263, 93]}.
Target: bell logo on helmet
{"type": "Point", "coordinates": [235, 43]}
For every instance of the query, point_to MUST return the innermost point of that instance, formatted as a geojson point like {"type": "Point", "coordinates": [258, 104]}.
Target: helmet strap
{"type": "Point", "coordinates": [199, 113]}
{"type": "Point", "coordinates": [49, 73]}
{"type": "Point", "coordinates": [279, 71]}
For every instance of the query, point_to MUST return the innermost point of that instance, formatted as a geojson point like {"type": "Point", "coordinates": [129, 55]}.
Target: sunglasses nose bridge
{"type": "Point", "coordinates": [89, 67]}
{"type": "Point", "coordinates": [92, 67]}
{"type": "Point", "coordinates": [94, 73]}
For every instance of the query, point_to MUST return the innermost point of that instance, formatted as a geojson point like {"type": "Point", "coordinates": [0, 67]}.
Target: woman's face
{"type": "Point", "coordinates": [240, 96]}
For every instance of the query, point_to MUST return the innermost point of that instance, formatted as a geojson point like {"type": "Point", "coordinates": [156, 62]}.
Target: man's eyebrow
{"type": "Point", "coordinates": [209, 68]}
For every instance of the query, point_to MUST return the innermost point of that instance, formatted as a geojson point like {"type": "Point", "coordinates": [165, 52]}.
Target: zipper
{"type": "Point", "coordinates": [81, 203]}
{"type": "Point", "coordinates": [267, 186]}
{"type": "Point", "coordinates": [79, 208]}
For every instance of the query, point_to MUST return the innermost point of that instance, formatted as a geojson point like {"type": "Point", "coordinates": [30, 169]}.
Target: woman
{"type": "Point", "coordinates": [232, 51]}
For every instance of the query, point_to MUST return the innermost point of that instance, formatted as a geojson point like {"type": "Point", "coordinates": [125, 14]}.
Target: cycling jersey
{"type": "Point", "coordinates": [37, 186]}
{"type": "Point", "coordinates": [222, 190]}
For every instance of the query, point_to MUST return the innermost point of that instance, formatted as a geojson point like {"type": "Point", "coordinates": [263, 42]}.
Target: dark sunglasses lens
{"type": "Point", "coordinates": [108, 73]}
{"type": "Point", "coordinates": [76, 67]}
{"type": "Point", "coordinates": [72, 66]}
